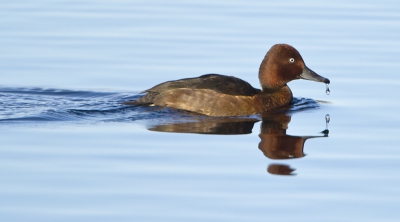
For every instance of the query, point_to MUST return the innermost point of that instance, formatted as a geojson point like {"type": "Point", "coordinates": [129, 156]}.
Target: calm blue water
{"type": "Point", "coordinates": [71, 151]}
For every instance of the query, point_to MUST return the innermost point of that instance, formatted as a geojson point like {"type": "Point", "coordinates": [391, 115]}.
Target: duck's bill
{"type": "Point", "coordinates": [308, 74]}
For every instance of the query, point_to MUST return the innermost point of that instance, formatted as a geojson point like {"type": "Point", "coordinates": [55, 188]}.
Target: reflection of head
{"type": "Point", "coordinates": [275, 146]}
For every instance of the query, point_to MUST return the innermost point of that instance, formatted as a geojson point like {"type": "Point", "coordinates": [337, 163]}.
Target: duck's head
{"type": "Point", "coordinates": [282, 64]}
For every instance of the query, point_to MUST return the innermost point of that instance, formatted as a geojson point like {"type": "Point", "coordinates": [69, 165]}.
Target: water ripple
{"type": "Point", "coordinates": [38, 104]}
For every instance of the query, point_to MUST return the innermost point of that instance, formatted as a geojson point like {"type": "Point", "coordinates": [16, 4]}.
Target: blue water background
{"type": "Point", "coordinates": [70, 151]}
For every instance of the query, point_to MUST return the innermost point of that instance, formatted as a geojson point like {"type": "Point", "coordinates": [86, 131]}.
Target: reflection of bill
{"type": "Point", "coordinates": [275, 143]}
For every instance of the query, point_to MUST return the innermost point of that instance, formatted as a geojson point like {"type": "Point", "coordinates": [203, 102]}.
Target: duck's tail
{"type": "Point", "coordinates": [143, 101]}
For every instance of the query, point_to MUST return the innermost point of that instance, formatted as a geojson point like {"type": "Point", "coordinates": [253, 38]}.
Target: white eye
{"type": "Point", "coordinates": [291, 60]}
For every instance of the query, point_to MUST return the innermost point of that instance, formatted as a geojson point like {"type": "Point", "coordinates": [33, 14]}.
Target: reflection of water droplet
{"type": "Point", "coordinates": [327, 89]}
{"type": "Point", "coordinates": [327, 119]}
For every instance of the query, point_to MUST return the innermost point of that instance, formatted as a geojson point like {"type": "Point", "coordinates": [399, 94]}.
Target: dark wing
{"type": "Point", "coordinates": [223, 84]}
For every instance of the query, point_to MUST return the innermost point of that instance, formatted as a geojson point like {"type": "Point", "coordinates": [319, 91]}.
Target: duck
{"type": "Point", "coordinates": [224, 96]}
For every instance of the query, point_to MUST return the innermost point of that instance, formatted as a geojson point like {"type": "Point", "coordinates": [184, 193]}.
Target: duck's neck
{"type": "Point", "coordinates": [276, 97]}
{"type": "Point", "coordinates": [268, 90]}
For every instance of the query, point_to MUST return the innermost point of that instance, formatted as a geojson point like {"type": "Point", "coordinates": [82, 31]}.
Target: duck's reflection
{"type": "Point", "coordinates": [275, 143]}
{"type": "Point", "coordinates": [222, 126]}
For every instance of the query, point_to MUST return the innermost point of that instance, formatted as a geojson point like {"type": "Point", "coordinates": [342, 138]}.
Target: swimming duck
{"type": "Point", "coordinates": [220, 95]}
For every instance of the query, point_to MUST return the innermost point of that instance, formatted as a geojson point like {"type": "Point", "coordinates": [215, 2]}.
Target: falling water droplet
{"type": "Point", "coordinates": [327, 89]}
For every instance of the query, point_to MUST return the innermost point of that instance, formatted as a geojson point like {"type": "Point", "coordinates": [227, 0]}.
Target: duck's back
{"type": "Point", "coordinates": [211, 94]}
{"type": "Point", "coordinates": [219, 83]}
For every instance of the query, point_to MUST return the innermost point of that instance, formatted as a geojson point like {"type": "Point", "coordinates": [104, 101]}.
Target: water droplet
{"type": "Point", "coordinates": [327, 89]}
{"type": "Point", "coordinates": [327, 119]}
